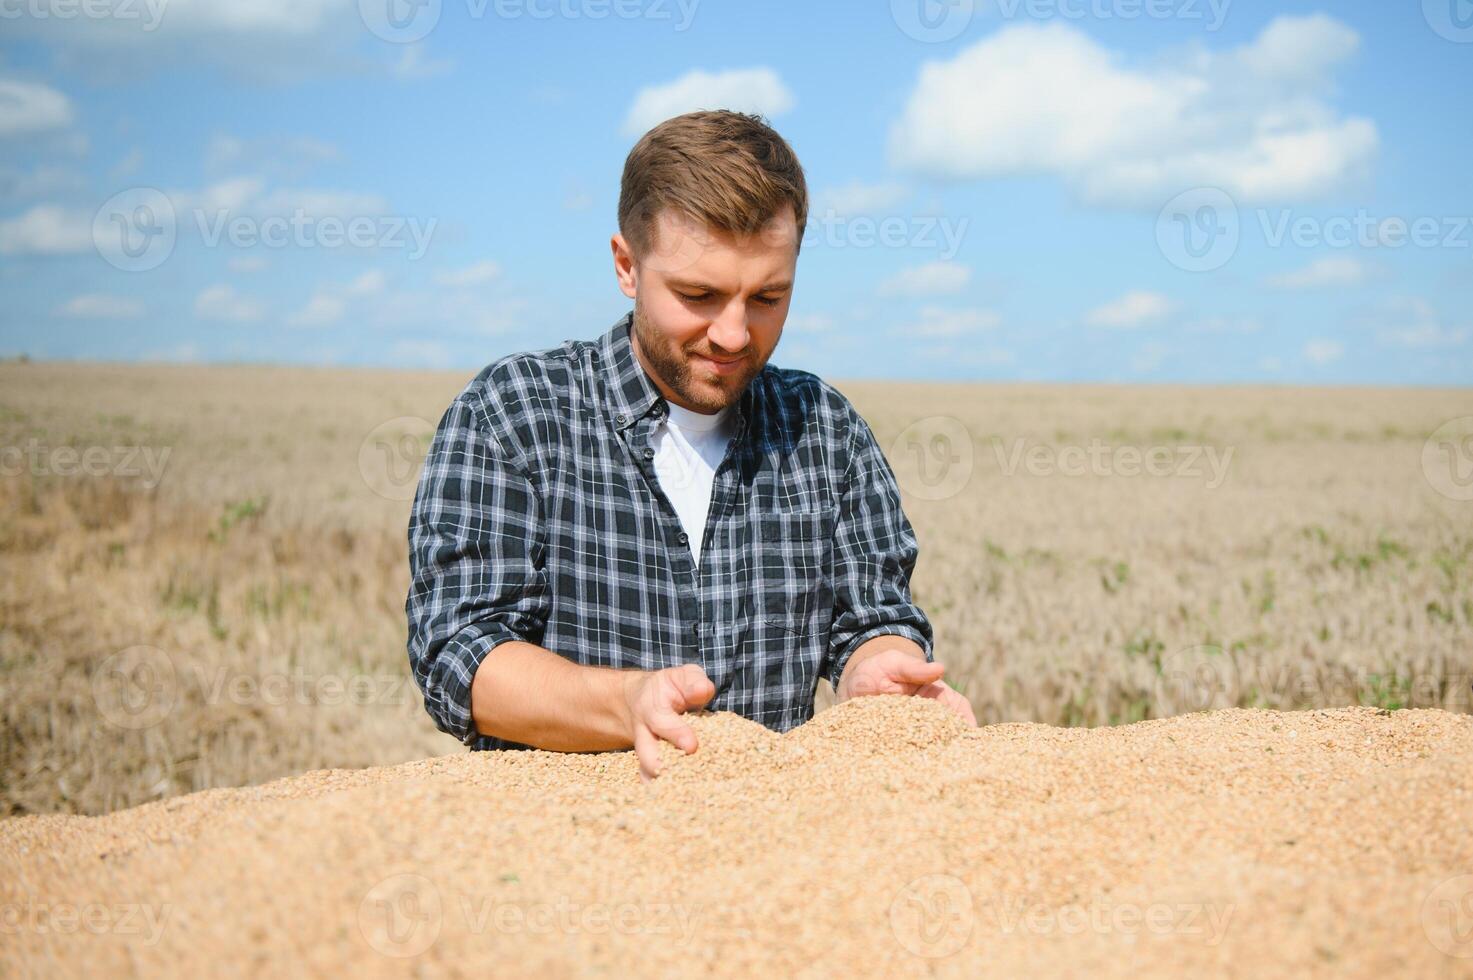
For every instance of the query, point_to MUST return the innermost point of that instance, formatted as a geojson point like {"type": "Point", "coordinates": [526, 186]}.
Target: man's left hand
{"type": "Point", "coordinates": [895, 671]}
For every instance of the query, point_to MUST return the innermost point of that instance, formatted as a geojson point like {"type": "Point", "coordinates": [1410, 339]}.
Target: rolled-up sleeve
{"type": "Point", "coordinates": [477, 548]}
{"type": "Point", "coordinates": [875, 551]}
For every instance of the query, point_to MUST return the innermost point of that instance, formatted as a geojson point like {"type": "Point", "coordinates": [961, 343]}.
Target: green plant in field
{"type": "Point", "coordinates": [1114, 579]}
{"type": "Point", "coordinates": [1388, 691]}
{"type": "Point", "coordinates": [237, 511]}
{"type": "Point", "coordinates": [1145, 644]}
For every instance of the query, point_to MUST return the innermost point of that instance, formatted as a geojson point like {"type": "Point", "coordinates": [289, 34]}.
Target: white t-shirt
{"type": "Point", "coordinates": [689, 446]}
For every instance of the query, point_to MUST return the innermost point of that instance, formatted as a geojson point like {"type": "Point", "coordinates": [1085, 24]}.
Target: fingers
{"type": "Point", "coordinates": [694, 686]}
{"type": "Point", "coordinates": [647, 751]}
{"type": "Point", "coordinates": [664, 698]}
{"type": "Point", "coordinates": [953, 700]}
{"type": "Point", "coordinates": [963, 707]}
{"type": "Point", "coordinates": [906, 669]}
{"type": "Point", "coordinates": [671, 728]}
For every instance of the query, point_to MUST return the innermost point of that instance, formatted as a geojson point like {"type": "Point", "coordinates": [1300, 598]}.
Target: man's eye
{"type": "Point", "coordinates": [765, 301]}
{"type": "Point", "coordinates": [699, 298]}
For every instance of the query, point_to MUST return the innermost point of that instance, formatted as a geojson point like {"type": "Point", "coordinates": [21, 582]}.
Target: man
{"type": "Point", "coordinates": [609, 534]}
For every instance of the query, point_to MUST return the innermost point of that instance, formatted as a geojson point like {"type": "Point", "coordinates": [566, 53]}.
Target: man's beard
{"type": "Point", "coordinates": [673, 366]}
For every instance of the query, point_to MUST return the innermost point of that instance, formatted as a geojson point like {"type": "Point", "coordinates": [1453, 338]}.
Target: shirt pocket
{"type": "Point", "coordinates": [794, 549]}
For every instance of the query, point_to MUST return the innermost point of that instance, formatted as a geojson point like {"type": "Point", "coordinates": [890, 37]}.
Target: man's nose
{"type": "Point", "coordinates": [729, 331]}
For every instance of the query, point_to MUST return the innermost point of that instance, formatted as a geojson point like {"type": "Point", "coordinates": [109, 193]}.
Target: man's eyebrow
{"type": "Point", "coordinates": [770, 287]}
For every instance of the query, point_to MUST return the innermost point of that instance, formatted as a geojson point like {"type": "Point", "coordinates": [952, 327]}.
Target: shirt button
{"type": "Point", "coordinates": [621, 418]}
{"type": "Point", "coordinates": [649, 453]}
{"type": "Point", "coordinates": [682, 537]}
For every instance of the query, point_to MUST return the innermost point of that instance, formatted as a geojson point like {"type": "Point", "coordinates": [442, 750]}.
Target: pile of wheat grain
{"type": "Point", "coordinates": [883, 837]}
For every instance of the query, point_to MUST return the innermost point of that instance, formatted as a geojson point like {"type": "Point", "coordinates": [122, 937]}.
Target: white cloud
{"type": "Point", "coordinates": [369, 283]}
{"type": "Point", "coordinates": [463, 312]}
{"type": "Point", "coordinates": [1411, 322]}
{"type": "Point", "coordinates": [99, 306]}
{"type": "Point", "coordinates": [222, 302]}
{"type": "Point", "coordinates": [30, 107]}
{"type": "Point", "coordinates": [1322, 351]}
{"type": "Point", "coordinates": [323, 309]}
{"type": "Point", "coordinates": [758, 90]}
{"type": "Point", "coordinates": [860, 198]}
{"type": "Point", "coordinates": [247, 263]}
{"type": "Point", "coordinates": [1046, 98]}
{"type": "Point", "coordinates": [286, 158]}
{"type": "Point", "coordinates": [1334, 270]}
{"type": "Point", "coordinates": [1148, 357]}
{"type": "Point", "coordinates": [474, 274]}
{"type": "Point", "coordinates": [931, 279]}
{"type": "Point", "coordinates": [47, 229]}
{"type": "Point", "coordinates": [278, 40]}
{"type": "Point", "coordinates": [1224, 325]}
{"type": "Point", "coordinates": [248, 195]}
{"type": "Point", "coordinates": [45, 179]}
{"type": "Point", "coordinates": [809, 323]}
{"type": "Point", "coordinates": [937, 322]}
{"type": "Point", "coordinates": [413, 63]}
{"type": "Point", "coordinates": [1134, 309]}
{"type": "Point", "coordinates": [421, 353]}
{"type": "Point", "coordinates": [979, 357]}
{"type": "Point", "coordinates": [330, 301]}
{"type": "Point", "coordinates": [128, 165]}
{"type": "Point", "coordinates": [185, 353]}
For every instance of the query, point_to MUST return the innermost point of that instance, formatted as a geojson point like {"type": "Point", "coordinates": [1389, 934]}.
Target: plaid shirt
{"type": "Point", "coordinates": [539, 517]}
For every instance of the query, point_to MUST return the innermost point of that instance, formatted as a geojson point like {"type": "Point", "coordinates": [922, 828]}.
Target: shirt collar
{"type": "Point", "coordinates": [632, 393]}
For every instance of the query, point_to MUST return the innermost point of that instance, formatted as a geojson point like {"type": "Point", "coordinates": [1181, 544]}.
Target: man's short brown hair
{"type": "Point", "coordinates": [726, 170]}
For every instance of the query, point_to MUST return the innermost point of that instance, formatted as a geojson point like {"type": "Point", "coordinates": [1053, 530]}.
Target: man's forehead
{"type": "Point", "coordinates": [777, 232]}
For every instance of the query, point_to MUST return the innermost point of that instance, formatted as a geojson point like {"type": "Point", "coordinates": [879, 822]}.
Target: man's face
{"type": "Point", "coordinates": [709, 306]}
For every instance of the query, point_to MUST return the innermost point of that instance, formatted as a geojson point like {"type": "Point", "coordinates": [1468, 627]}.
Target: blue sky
{"type": "Point", "coordinates": [1113, 190]}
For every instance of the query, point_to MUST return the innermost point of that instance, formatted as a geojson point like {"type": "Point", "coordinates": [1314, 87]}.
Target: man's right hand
{"type": "Point", "coordinates": [656, 700]}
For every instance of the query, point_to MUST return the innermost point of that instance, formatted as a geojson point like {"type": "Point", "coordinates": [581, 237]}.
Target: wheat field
{"type": "Point", "coordinates": [203, 569]}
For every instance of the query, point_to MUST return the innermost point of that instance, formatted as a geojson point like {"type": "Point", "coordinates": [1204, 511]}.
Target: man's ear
{"type": "Point", "coordinates": [624, 266]}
